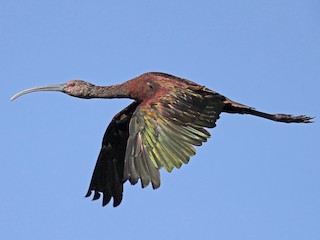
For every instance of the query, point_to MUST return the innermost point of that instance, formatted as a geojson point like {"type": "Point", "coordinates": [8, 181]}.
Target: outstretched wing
{"type": "Point", "coordinates": [163, 131]}
{"type": "Point", "coordinates": [108, 173]}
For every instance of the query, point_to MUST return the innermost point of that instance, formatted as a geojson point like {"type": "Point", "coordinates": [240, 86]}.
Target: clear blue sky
{"type": "Point", "coordinates": [254, 179]}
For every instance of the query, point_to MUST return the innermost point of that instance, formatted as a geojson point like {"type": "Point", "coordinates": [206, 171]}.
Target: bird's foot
{"type": "Point", "coordinates": [293, 119]}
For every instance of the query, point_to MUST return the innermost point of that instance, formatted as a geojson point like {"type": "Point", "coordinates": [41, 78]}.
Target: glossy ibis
{"type": "Point", "coordinates": [168, 116]}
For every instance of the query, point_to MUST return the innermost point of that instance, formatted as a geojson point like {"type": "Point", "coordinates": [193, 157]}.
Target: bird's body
{"type": "Point", "coordinates": [169, 115]}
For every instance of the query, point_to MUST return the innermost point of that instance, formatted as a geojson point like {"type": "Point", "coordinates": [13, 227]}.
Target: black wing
{"type": "Point", "coordinates": [107, 177]}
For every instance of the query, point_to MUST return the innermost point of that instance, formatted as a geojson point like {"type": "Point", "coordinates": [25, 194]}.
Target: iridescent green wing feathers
{"type": "Point", "coordinates": [163, 134]}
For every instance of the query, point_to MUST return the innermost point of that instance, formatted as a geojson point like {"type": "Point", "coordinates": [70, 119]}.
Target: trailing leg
{"type": "Point", "coordinates": [234, 107]}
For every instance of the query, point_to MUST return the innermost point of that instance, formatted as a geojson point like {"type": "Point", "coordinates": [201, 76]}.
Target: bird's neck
{"type": "Point", "coordinates": [115, 91]}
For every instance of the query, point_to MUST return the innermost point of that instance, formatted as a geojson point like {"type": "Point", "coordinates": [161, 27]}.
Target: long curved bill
{"type": "Point", "coordinates": [56, 87]}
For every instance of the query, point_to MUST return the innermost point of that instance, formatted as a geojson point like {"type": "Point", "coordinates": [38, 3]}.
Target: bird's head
{"type": "Point", "coordinates": [75, 88]}
{"type": "Point", "coordinates": [78, 88]}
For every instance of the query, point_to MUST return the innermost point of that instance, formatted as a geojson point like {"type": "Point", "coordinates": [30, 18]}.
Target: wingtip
{"type": "Point", "coordinates": [106, 199]}
{"type": "Point", "coordinates": [307, 119]}
{"type": "Point", "coordinates": [116, 202]}
{"type": "Point", "coordinates": [96, 196]}
{"type": "Point", "coordinates": [88, 193]}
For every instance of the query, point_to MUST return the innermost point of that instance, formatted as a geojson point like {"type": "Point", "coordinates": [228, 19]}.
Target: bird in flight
{"type": "Point", "coordinates": [167, 118]}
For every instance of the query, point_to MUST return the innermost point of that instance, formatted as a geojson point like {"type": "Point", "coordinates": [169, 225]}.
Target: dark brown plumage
{"type": "Point", "coordinates": [168, 117]}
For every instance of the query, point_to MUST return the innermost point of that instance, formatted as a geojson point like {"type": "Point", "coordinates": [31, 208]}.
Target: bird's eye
{"type": "Point", "coordinates": [72, 84]}
{"type": "Point", "coordinates": [152, 85]}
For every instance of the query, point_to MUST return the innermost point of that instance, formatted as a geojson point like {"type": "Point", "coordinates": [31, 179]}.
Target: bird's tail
{"type": "Point", "coordinates": [234, 107]}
